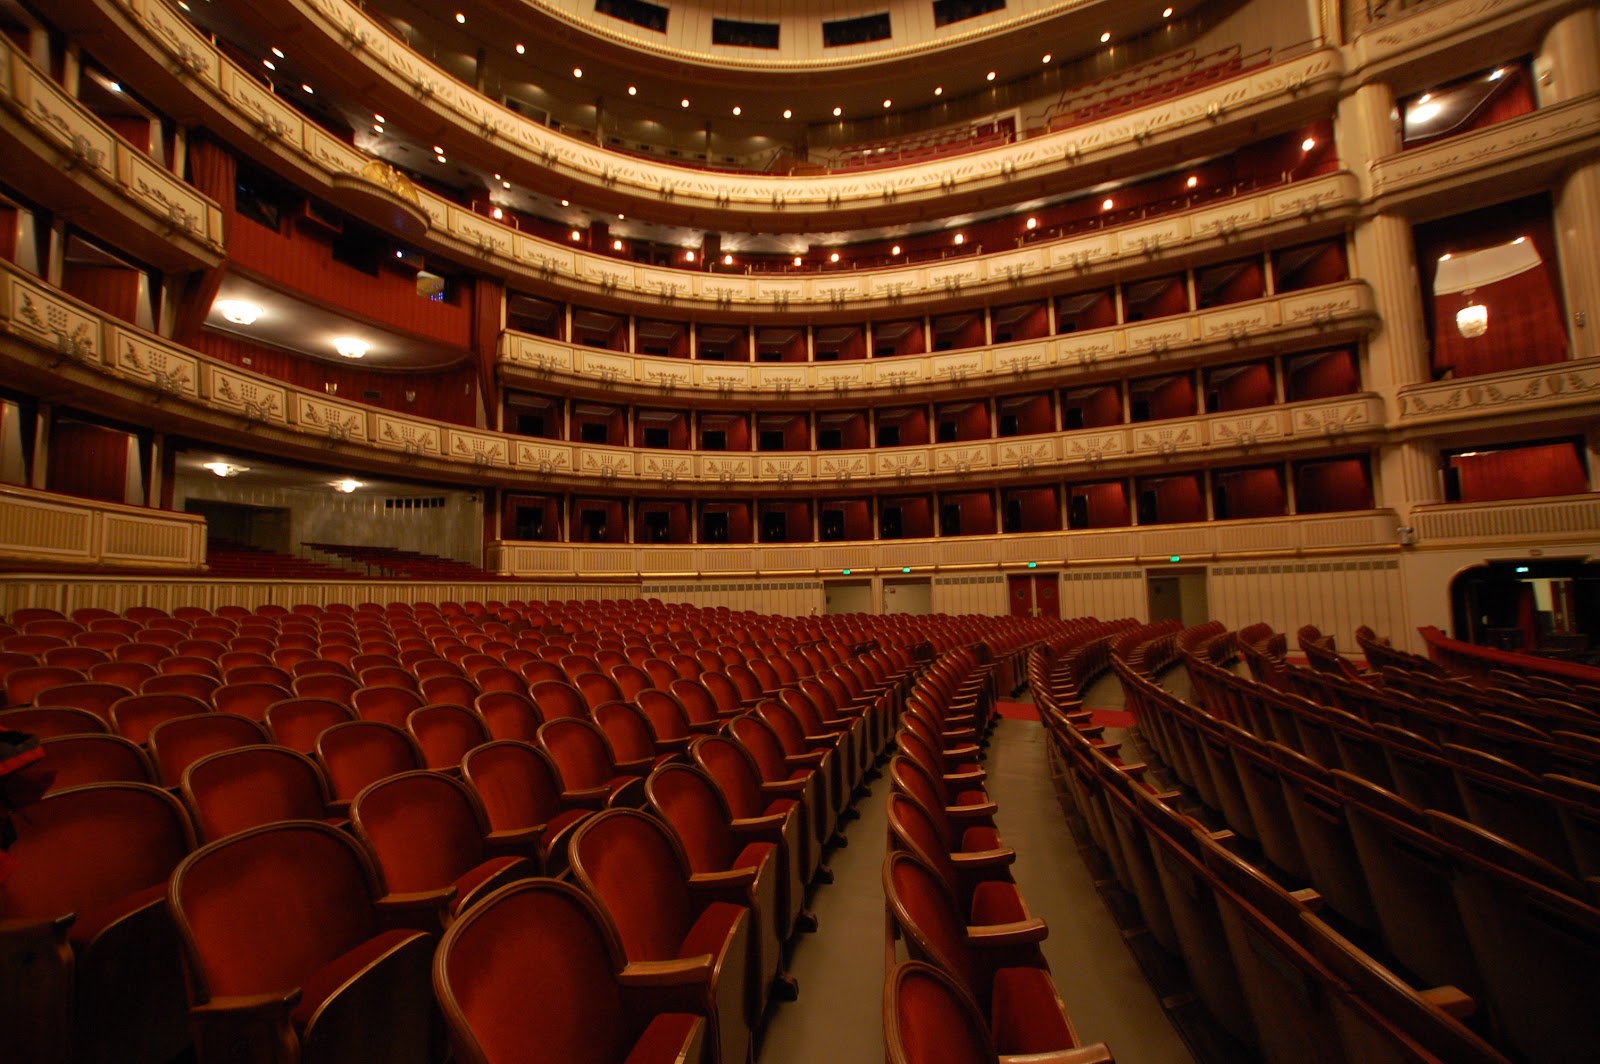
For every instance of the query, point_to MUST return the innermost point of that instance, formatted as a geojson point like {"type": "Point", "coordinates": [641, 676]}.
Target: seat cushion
{"type": "Point", "coordinates": [1026, 1014]}
{"type": "Point", "coordinates": [668, 1039]}
{"type": "Point", "coordinates": [328, 979]}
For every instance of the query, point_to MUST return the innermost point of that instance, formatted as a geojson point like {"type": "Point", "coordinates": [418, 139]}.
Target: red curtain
{"type": "Point", "coordinates": [113, 289]}
{"type": "Point", "coordinates": [1249, 493]}
{"type": "Point", "coordinates": [214, 171]}
{"type": "Point", "coordinates": [1250, 386]}
{"type": "Point", "coordinates": [88, 461]}
{"type": "Point", "coordinates": [1107, 504]}
{"type": "Point", "coordinates": [443, 395]}
{"type": "Point", "coordinates": [1322, 376]}
{"type": "Point", "coordinates": [1333, 485]}
{"type": "Point", "coordinates": [8, 232]}
{"type": "Point", "coordinates": [1522, 473]}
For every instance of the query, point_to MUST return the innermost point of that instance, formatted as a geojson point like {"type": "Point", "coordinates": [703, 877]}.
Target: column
{"type": "Point", "coordinates": [39, 474]}
{"type": "Point", "coordinates": [1406, 475]}
{"type": "Point", "coordinates": [1568, 66]}
{"type": "Point", "coordinates": [1385, 257]}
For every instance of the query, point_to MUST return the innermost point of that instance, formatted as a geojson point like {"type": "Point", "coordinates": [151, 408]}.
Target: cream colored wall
{"type": "Point", "coordinates": [1338, 595]}
{"type": "Point", "coordinates": [1427, 574]}
{"type": "Point", "coordinates": [1108, 594]}
{"type": "Point", "coordinates": [982, 593]}
{"type": "Point", "coordinates": [788, 598]}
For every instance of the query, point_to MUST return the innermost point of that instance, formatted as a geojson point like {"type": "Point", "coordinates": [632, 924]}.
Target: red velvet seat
{"type": "Point", "coordinates": [705, 710]}
{"type": "Point", "coordinates": [234, 790]}
{"type": "Point", "coordinates": [360, 752]}
{"type": "Point", "coordinates": [558, 698]}
{"type": "Point", "coordinates": [851, 738]}
{"type": "Point", "coordinates": [500, 678]}
{"type": "Point", "coordinates": [192, 684]}
{"type": "Point", "coordinates": [668, 719]}
{"type": "Point", "coordinates": [520, 789]}
{"type": "Point", "coordinates": [194, 663]}
{"type": "Point", "coordinates": [740, 864]}
{"type": "Point", "coordinates": [980, 882]}
{"type": "Point", "coordinates": [388, 676]}
{"type": "Point", "coordinates": [391, 705]}
{"type": "Point", "coordinates": [825, 753]}
{"type": "Point", "coordinates": [23, 685]}
{"type": "Point", "coordinates": [289, 955]}
{"type": "Point", "coordinates": [177, 743]}
{"type": "Point", "coordinates": [77, 760]}
{"type": "Point", "coordinates": [448, 690]}
{"type": "Point", "coordinates": [247, 699]}
{"type": "Point", "coordinates": [596, 688]}
{"type": "Point", "coordinates": [509, 714]}
{"type": "Point", "coordinates": [780, 775]}
{"type": "Point", "coordinates": [129, 674]}
{"type": "Point", "coordinates": [134, 716]}
{"type": "Point", "coordinates": [47, 722]}
{"type": "Point", "coordinates": [631, 680]}
{"type": "Point", "coordinates": [296, 722]}
{"type": "Point", "coordinates": [630, 863]}
{"type": "Point", "coordinates": [588, 768]}
{"type": "Point", "coordinates": [88, 954]}
{"type": "Point", "coordinates": [632, 738]}
{"type": "Point", "coordinates": [445, 733]}
{"type": "Point", "coordinates": [964, 829]}
{"type": "Point", "coordinates": [751, 800]}
{"type": "Point", "coordinates": [254, 674]}
{"type": "Point", "coordinates": [534, 975]}
{"type": "Point", "coordinates": [143, 650]}
{"type": "Point", "coordinates": [1000, 967]}
{"type": "Point", "coordinates": [428, 834]}
{"type": "Point", "coordinates": [333, 686]}
{"type": "Point", "coordinates": [76, 656]}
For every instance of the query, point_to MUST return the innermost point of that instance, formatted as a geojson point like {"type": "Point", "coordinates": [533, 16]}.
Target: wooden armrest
{"type": "Point", "coordinates": [1095, 1054]}
{"type": "Point", "coordinates": [976, 859]}
{"type": "Point", "coordinates": [514, 842]}
{"type": "Point", "coordinates": [416, 900]}
{"type": "Point", "coordinates": [267, 1006]}
{"type": "Point", "coordinates": [1309, 897]}
{"type": "Point", "coordinates": [1450, 1000]}
{"type": "Point", "coordinates": [682, 971]}
{"type": "Point", "coordinates": [1021, 933]}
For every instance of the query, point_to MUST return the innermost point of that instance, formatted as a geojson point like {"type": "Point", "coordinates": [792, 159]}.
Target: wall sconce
{"type": "Point", "coordinates": [350, 347]}
{"type": "Point", "coordinates": [331, 387]}
{"type": "Point", "coordinates": [347, 486]}
{"type": "Point", "coordinates": [411, 396]}
{"type": "Point", "coordinates": [225, 469]}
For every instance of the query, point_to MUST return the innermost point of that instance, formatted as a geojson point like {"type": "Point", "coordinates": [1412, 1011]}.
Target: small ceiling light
{"type": "Point", "coordinates": [521, 49]}
{"type": "Point", "coordinates": [376, 128]}
{"type": "Point", "coordinates": [1047, 58]}
{"type": "Point", "coordinates": [1106, 204]}
{"type": "Point", "coordinates": [308, 88]}
{"type": "Point", "coordinates": [938, 90]}
{"type": "Point", "coordinates": [989, 76]}
{"type": "Point", "coordinates": [1308, 143]}
{"type": "Point", "coordinates": [278, 52]}
{"type": "Point", "coordinates": [633, 90]}
{"type": "Point", "coordinates": [1106, 36]}
{"type": "Point", "coordinates": [788, 113]}
{"type": "Point", "coordinates": [1425, 97]}
{"type": "Point", "coordinates": [461, 18]}
{"type": "Point", "coordinates": [497, 177]}
{"type": "Point", "coordinates": [379, 118]}
{"type": "Point", "coordinates": [727, 260]}
{"type": "Point", "coordinates": [575, 235]}
{"type": "Point", "coordinates": [269, 64]}
{"type": "Point", "coordinates": [116, 86]}
{"type": "Point", "coordinates": [566, 203]}
{"type": "Point", "coordinates": [1166, 12]}
{"type": "Point", "coordinates": [440, 159]}
{"type": "Point", "coordinates": [737, 110]}
{"type": "Point", "coordinates": [616, 245]}
{"type": "Point", "coordinates": [831, 258]}
{"type": "Point", "coordinates": [238, 311]}
{"type": "Point", "coordinates": [1445, 257]}
{"type": "Point", "coordinates": [577, 72]}
{"type": "Point", "coordinates": [346, 485]}
{"type": "Point", "coordinates": [183, 5]}
{"type": "Point", "coordinates": [961, 238]}
{"type": "Point", "coordinates": [497, 214]}
{"type": "Point", "coordinates": [688, 256]}
{"type": "Point", "coordinates": [225, 469]}
{"type": "Point", "coordinates": [837, 111]}
{"type": "Point", "coordinates": [798, 261]}
{"type": "Point", "coordinates": [1497, 74]}
{"type": "Point", "coordinates": [1520, 240]}
{"type": "Point", "coordinates": [1425, 111]}
{"type": "Point", "coordinates": [895, 250]}
{"type": "Point", "coordinates": [684, 102]}
{"type": "Point", "coordinates": [621, 217]}
{"type": "Point", "coordinates": [438, 150]}
{"type": "Point", "coordinates": [350, 347]}
{"type": "Point", "coordinates": [888, 103]}
{"type": "Point", "coordinates": [1192, 182]}
{"type": "Point", "coordinates": [1033, 223]}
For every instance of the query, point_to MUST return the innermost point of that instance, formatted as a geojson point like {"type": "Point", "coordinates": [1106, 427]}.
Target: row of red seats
{"type": "Point", "coordinates": [974, 984]}
{"type": "Point", "coordinates": [1414, 907]}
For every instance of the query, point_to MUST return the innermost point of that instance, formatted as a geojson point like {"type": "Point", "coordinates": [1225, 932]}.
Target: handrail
{"type": "Point", "coordinates": [1469, 657]}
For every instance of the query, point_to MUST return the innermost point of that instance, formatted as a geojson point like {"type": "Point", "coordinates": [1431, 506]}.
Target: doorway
{"type": "Point", "coordinates": [908, 596]}
{"type": "Point", "coordinates": [847, 596]}
{"type": "Point", "coordinates": [1177, 595]}
{"type": "Point", "coordinates": [1028, 592]}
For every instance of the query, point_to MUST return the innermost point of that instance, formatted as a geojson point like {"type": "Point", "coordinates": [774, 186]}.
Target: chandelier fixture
{"type": "Point", "coordinates": [1472, 320]}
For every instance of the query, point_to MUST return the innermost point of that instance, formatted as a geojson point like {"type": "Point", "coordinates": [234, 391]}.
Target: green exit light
{"type": "Point", "coordinates": [1175, 558]}
{"type": "Point", "coordinates": [905, 568]}
{"type": "Point", "coordinates": [846, 572]}
{"type": "Point", "coordinates": [1033, 565]}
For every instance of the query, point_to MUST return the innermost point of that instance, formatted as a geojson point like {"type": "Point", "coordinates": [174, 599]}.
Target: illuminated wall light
{"type": "Point", "coordinates": [575, 235]}
{"type": "Point", "coordinates": [379, 118]}
{"type": "Point", "coordinates": [505, 184]}
{"type": "Point", "coordinates": [621, 217]}
{"type": "Point", "coordinates": [497, 214]}
{"type": "Point", "coordinates": [521, 49]}
{"type": "Point", "coordinates": [1106, 36]}
{"type": "Point", "coordinates": [1497, 74]}
{"type": "Point", "coordinates": [616, 245]}
{"type": "Point", "coordinates": [1047, 58]}
{"type": "Point", "coordinates": [961, 238]}
{"type": "Point", "coordinates": [831, 258]}
{"type": "Point", "coordinates": [684, 102]}
{"type": "Point", "coordinates": [225, 469]}
{"type": "Point", "coordinates": [837, 111]}
{"type": "Point", "coordinates": [895, 250]}
{"type": "Point", "coordinates": [577, 72]}
{"type": "Point", "coordinates": [737, 110]}
{"type": "Point", "coordinates": [1472, 320]}
{"type": "Point", "coordinates": [303, 85]}
{"type": "Point", "coordinates": [438, 150]}
{"type": "Point", "coordinates": [269, 64]}
{"type": "Point", "coordinates": [566, 203]}
{"type": "Point", "coordinates": [787, 113]}
{"type": "Point", "coordinates": [238, 311]}
{"type": "Point", "coordinates": [1445, 257]}
{"type": "Point", "coordinates": [1033, 223]}
{"type": "Point", "coordinates": [461, 18]}
{"type": "Point", "coordinates": [278, 52]}
{"type": "Point", "coordinates": [350, 347]}
{"type": "Point", "coordinates": [116, 86]}
{"type": "Point", "coordinates": [798, 261]}
{"type": "Point", "coordinates": [183, 5]}
{"type": "Point", "coordinates": [440, 159]}
{"type": "Point", "coordinates": [888, 103]}
{"type": "Point", "coordinates": [1107, 204]}
{"type": "Point", "coordinates": [1424, 112]}
{"type": "Point", "coordinates": [633, 90]}
{"type": "Point", "coordinates": [727, 260]}
{"type": "Point", "coordinates": [1308, 143]}
{"type": "Point", "coordinates": [376, 128]}
{"type": "Point", "coordinates": [1520, 240]}
{"type": "Point", "coordinates": [938, 90]}
{"type": "Point", "coordinates": [1166, 12]}
{"type": "Point", "coordinates": [1192, 182]}
{"type": "Point", "coordinates": [989, 76]}
{"type": "Point", "coordinates": [346, 485]}
{"type": "Point", "coordinates": [688, 256]}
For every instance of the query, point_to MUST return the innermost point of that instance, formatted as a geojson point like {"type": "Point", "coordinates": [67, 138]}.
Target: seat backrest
{"type": "Point", "coordinates": [80, 759]}
{"type": "Point", "coordinates": [134, 716]}
{"type": "Point", "coordinates": [630, 863]}
{"type": "Point", "coordinates": [688, 801]}
{"type": "Point", "coordinates": [700, 700]}
{"type": "Point", "coordinates": [262, 910]}
{"type": "Point", "coordinates": [509, 714]}
{"type": "Point", "coordinates": [445, 733]}
{"type": "Point", "coordinates": [180, 662]}
{"type": "Point", "coordinates": [628, 729]}
{"type": "Point", "coordinates": [763, 745]}
{"type": "Point", "coordinates": [129, 674]}
{"type": "Point", "coordinates": [530, 975]}
{"type": "Point", "coordinates": [500, 678]}
{"type": "Point", "coordinates": [361, 751]}
{"type": "Point", "coordinates": [736, 773]}
{"type": "Point", "coordinates": [558, 698]}
{"type": "Point", "coordinates": [296, 722]}
{"type": "Point", "coordinates": [934, 930]}
{"type": "Point", "coordinates": [387, 676]}
{"type": "Point", "coordinates": [788, 728]}
{"type": "Point", "coordinates": [596, 688]}
{"type": "Point", "coordinates": [177, 743]}
{"type": "Point", "coordinates": [48, 722]}
{"type": "Point", "coordinates": [247, 699]}
{"type": "Point", "coordinates": [517, 783]}
{"type": "Point", "coordinates": [333, 686]}
{"type": "Point", "coordinates": [448, 690]}
{"type": "Point", "coordinates": [913, 829]}
{"type": "Point", "coordinates": [666, 714]}
{"type": "Point", "coordinates": [631, 680]}
{"type": "Point", "coordinates": [660, 671]}
{"type": "Point", "coordinates": [81, 849]}
{"type": "Point", "coordinates": [389, 704]}
{"type": "Point", "coordinates": [232, 790]}
{"type": "Point", "coordinates": [425, 829]}
{"type": "Point", "coordinates": [580, 750]}
{"type": "Point", "coordinates": [23, 685]}
{"type": "Point", "coordinates": [929, 1019]}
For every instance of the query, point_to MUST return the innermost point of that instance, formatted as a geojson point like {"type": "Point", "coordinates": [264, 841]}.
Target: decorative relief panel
{"type": "Point", "coordinates": [552, 260]}
{"type": "Point", "coordinates": [1227, 219]}
{"type": "Point", "coordinates": [667, 468]}
{"type": "Point", "coordinates": [1019, 359]}
{"type": "Point", "coordinates": [964, 460]}
{"type": "Point", "coordinates": [170, 371]}
{"type": "Point", "coordinates": [1094, 447]}
{"type": "Point", "coordinates": [900, 462]}
{"type": "Point", "coordinates": [667, 374]}
{"type": "Point", "coordinates": [272, 118]}
{"type": "Point", "coordinates": [1031, 453]}
{"type": "Point", "coordinates": [1326, 305]}
{"type": "Point", "coordinates": [783, 380]}
{"type": "Point", "coordinates": [543, 458]}
{"type": "Point", "coordinates": [605, 463]}
{"type": "Point", "coordinates": [56, 322]}
{"type": "Point", "coordinates": [480, 233]}
{"type": "Point", "coordinates": [249, 395]}
{"type": "Point", "coordinates": [952, 278]}
{"type": "Point", "coordinates": [1167, 439]}
{"type": "Point", "coordinates": [481, 449]}
{"type": "Point", "coordinates": [1086, 349]}
{"type": "Point", "coordinates": [1150, 239]}
{"type": "Point", "coordinates": [958, 367]}
{"type": "Point", "coordinates": [1237, 323]}
{"type": "Point", "coordinates": [723, 378]}
{"type": "Point", "coordinates": [779, 294]}
{"type": "Point", "coordinates": [88, 145]}
{"type": "Point", "coordinates": [843, 466]}
{"type": "Point", "coordinates": [1543, 386]}
{"type": "Point", "coordinates": [845, 377]}
{"type": "Point", "coordinates": [1246, 431]}
{"type": "Point", "coordinates": [609, 368]}
{"type": "Point", "coordinates": [543, 355]}
{"type": "Point", "coordinates": [727, 469]}
{"type": "Point", "coordinates": [1159, 336]}
{"type": "Point", "coordinates": [1337, 419]}
{"type": "Point", "coordinates": [163, 195]}
{"type": "Point", "coordinates": [340, 422]}
{"type": "Point", "coordinates": [196, 55]}
{"type": "Point", "coordinates": [417, 438]}
{"type": "Point", "coordinates": [784, 469]}
{"type": "Point", "coordinates": [1082, 253]}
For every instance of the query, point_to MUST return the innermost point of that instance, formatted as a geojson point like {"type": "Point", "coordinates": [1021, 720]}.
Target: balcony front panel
{"type": "Point", "coordinates": [1523, 392]}
{"type": "Point", "coordinates": [1519, 521]}
{"type": "Point", "coordinates": [37, 526]}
